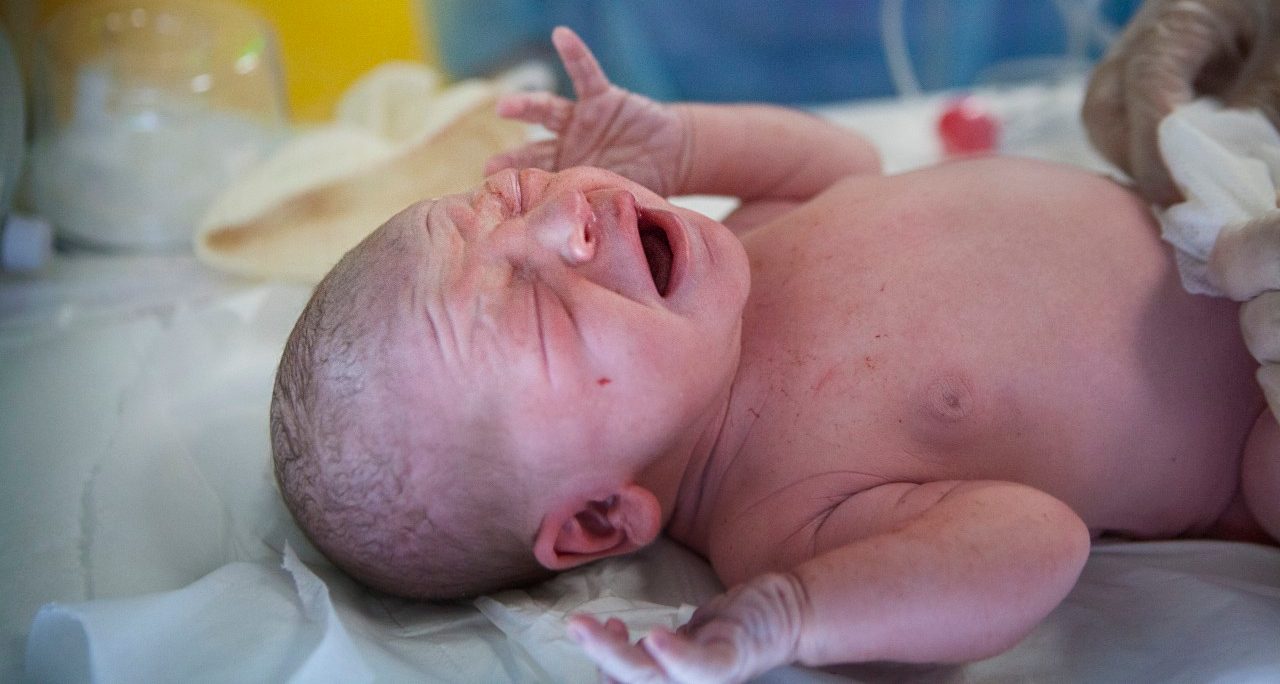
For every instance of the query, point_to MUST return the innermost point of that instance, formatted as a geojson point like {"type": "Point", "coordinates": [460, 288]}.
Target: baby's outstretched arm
{"type": "Point", "coordinates": [753, 152]}
{"type": "Point", "coordinates": [936, 572]}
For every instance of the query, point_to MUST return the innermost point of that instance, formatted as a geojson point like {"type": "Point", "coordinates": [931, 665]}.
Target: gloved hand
{"type": "Point", "coordinates": [1260, 322]}
{"type": "Point", "coordinates": [1172, 52]}
{"type": "Point", "coordinates": [734, 637]}
{"type": "Point", "coordinates": [1245, 261]}
{"type": "Point", "coordinates": [1245, 264]}
{"type": "Point", "coordinates": [607, 127]}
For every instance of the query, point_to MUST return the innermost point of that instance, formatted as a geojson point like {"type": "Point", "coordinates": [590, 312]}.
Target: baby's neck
{"type": "Point", "coordinates": [697, 482]}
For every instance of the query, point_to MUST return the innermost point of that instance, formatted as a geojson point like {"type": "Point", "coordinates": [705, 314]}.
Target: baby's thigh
{"type": "Point", "coordinates": [1260, 473]}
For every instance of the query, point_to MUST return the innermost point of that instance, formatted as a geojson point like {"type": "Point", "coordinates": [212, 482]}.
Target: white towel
{"type": "Point", "coordinates": [1226, 162]}
{"type": "Point", "coordinates": [243, 622]}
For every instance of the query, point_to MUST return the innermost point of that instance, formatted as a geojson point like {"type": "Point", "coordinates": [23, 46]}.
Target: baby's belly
{"type": "Point", "coordinates": [1041, 342]}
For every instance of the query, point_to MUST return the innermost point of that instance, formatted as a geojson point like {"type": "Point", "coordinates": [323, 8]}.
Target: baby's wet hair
{"type": "Point", "coordinates": [403, 501]}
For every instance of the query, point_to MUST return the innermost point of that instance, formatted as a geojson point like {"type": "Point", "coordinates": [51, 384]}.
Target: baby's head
{"type": "Point", "coordinates": [479, 392]}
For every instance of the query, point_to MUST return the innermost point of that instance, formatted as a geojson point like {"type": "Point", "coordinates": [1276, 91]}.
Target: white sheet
{"type": "Point", "coordinates": [137, 499]}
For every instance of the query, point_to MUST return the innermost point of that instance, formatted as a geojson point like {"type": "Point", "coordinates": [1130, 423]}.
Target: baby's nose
{"type": "Point", "coordinates": [564, 224]}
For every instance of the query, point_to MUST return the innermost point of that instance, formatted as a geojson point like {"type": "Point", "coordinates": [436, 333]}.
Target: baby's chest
{"type": "Point", "coordinates": [843, 431]}
{"type": "Point", "coordinates": [845, 399]}
{"type": "Point", "coordinates": [875, 415]}
{"type": "Point", "coordinates": [844, 403]}
{"type": "Point", "coordinates": [868, 368]}
{"type": "Point", "coordinates": [922, 344]}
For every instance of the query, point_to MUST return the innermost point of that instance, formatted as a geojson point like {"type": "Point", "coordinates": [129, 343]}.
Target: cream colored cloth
{"type": "Point", "coordinates": [397, 141]}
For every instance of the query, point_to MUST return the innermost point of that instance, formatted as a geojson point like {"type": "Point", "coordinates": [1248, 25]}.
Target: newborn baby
{"type": "Point", "coordinates": [891, 411]}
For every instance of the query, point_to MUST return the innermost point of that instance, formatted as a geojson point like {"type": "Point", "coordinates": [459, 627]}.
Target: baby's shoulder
{"type": "Point", "coordinates": [970, 179]}
{"type": "Point", "coordinates": [1007, 175]}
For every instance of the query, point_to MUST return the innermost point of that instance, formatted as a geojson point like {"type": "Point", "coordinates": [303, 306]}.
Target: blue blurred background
{"type": "Point", "coordinates": [807, 52]}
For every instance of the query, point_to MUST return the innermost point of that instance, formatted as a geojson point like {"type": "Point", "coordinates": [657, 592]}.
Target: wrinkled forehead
{"type": "Point", "coordinates": [448, 230]}
{"type": "Point", "coordinates": [443, 229]}
{"type": "Point", "coordinates": [450, 274]}
{"type": "Point", "coordinates": [420, 274]}
{"type": "Point", "coordinates": [468, 216]}
{"type": "Point", "coordinates": [455, 220]}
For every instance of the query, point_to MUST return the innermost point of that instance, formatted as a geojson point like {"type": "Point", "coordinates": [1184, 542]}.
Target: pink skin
{"type": "Point", "coordinates": [899, 445]}
{"type": "Point", "coordinates": [606, 127]}
{"type": "Point", "coordinates": [538, 281]}
{"type": "Point", "coordinates": [896, 448]}
{"type": "Point", "coordinates": [653, 144]}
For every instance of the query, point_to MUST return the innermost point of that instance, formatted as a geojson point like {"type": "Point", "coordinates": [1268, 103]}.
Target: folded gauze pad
{"type": "Point", "coordinates": [1226, 162]}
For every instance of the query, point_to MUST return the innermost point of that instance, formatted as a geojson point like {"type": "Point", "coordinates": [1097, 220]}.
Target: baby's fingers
{"type": "Point", "coordinates": [544, 109]}
{"type": "Point", "coordinates": [617, 628]}
{"type": "Point", "coordinates": [685, 660]}
{"type": "Point", "coordinates": [1260, 323]}
{"type": "Point", "coordinates": [583, 69]}
{"type": "Point", "coordinates": [613, 653]}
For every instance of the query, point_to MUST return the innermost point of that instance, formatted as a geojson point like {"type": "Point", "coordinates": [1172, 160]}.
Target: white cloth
{"type": "Point", "coordinates": [1226, 162]}
{"type": "Point", "coordinates": [244, 622]}
{"type": "Point", "coordinates": [287, 622]}
{"type": "Point", "coordinates": [1183, 611]}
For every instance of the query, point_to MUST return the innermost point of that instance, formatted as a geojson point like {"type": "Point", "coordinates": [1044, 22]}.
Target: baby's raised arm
{"type": "Point", "coordinates": [753, 152]}
{"type": "Point", "coordinates": [935, 572]}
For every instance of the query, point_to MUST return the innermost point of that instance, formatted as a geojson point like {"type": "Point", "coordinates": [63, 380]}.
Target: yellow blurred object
{"type": "Point", "coordinates": [325, 46]}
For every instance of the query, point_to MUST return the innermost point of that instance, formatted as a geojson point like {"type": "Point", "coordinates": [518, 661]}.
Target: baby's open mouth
{"type": "Point", "coordinates": [657, 251]}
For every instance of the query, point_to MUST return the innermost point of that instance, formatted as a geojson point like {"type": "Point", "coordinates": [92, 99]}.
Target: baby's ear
{"type": "Point", "coordinates": [623, 522]}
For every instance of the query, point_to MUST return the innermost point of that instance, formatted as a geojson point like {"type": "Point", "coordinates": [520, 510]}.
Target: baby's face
{"type": "Point", "coordinates": [595, 320]}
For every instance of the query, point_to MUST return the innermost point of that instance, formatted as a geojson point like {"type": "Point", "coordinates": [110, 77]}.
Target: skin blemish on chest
{"type": "Point", "coordinates": [603, 381]}
{"type": "Point", "coordinates": [825, 377]}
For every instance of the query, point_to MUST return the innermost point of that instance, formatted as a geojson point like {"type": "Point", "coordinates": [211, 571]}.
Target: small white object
{"type": "Point", "coordinates": [1226, 162]}
{"type": "Point", "coordinates": [26, 242]}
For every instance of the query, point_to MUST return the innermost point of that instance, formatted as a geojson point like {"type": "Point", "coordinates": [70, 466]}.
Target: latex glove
{"type": "Point", "coordinates": [1260, 323]}
{"type": "Point", "coordinates": [607, 126]}
{"type": "Point", "coordinates": [1245, 263]}
{"type": "Point", "coordinates": [1172, 52]}
{"type": "Point", "coordinates": [737, 635]}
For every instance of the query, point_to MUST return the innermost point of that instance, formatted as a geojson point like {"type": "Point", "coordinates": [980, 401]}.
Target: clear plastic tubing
{"type": "Point", "coordinates": [1080, 18]}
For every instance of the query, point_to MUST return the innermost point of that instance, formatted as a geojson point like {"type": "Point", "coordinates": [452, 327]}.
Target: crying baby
{"type": "Point", "coordinates": [892, 412]}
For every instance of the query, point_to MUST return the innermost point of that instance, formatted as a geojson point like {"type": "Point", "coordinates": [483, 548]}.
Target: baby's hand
{"type": "Point", "coordinates": [607, 127]}
{"type": "Point", "coordinates": [738, 635]}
